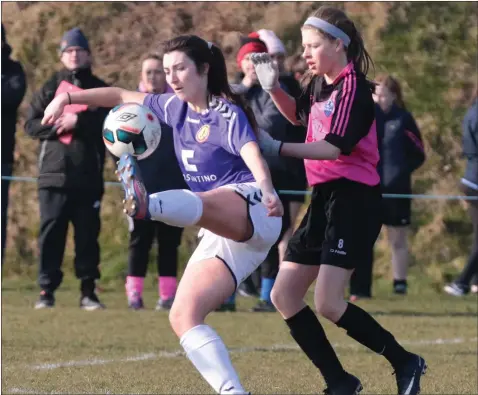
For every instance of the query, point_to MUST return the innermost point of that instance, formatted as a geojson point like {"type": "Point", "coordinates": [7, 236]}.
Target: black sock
{"type": "Point", "coordinates": [307, 331]}
{"type": "Point", "coordinates": [361, 327]}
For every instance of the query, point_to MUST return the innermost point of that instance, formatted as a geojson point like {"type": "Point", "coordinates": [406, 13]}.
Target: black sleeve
{"type": "Point", "coordinates": [353, 117]}
{"type": "Point", "coordinates": [40, 101]}
{"type": "Point", "coordinates": [13, 88]}
{"type": "Point", "coordinates": [413, 143]}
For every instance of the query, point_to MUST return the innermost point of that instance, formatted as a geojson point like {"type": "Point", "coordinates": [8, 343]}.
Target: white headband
{"type": "Point", "coordinates": [328, 28]}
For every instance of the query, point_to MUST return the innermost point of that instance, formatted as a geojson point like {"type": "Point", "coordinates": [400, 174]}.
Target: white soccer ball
{"type": "Point", "coordinates": [133, 129]}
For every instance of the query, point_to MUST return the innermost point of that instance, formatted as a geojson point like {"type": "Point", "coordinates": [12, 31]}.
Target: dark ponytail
{"type": "Point", "coordinates": [201, 53]}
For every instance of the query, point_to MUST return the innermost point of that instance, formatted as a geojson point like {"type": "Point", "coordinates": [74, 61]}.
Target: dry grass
{"type": "Point", "coordinates": [432, 50]}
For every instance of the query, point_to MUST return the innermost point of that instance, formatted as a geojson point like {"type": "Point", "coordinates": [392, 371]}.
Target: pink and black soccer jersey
{"type": "Point", "coordinates": [207, 144]}
{"type": "Point", "coordinates": [343, 114]}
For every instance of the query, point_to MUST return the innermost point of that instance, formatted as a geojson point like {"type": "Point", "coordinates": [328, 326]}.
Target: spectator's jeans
{"type": "Point", "coordinates": [7, 169]}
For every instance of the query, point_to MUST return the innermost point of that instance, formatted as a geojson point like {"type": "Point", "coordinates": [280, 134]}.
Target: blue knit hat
{"type": "Point", "coordinates": [74, 38]}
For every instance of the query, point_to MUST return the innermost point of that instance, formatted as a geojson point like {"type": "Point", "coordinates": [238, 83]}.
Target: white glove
{"type": "Point", "coordinates": [266, 70]}
{"type": "Point", "coordinates": [267, 144]}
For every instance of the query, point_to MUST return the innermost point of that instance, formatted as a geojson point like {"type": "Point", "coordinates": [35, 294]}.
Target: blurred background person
{"type": "Point", "coordinates": [401, 153]}
{"type": "Point", "coordinates": [13, 91]}
{"type": "Point", "coordinates": [273, 122]}
{"type": "Point", "coordinates": [160, 172]}
{"type": "Point", "coordinates": [297, 66]}
{"type": "Point", "coordinates": [70, 182]}
{"type": "Point", "coordinates": [469, 184]}
{"type": "Point", "coordinates": [294, 173]}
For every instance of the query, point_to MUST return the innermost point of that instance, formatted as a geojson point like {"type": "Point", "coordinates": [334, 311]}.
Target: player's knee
{"type": "Point", "coordinates": [177, 319]}
{"type": "Point", "coordinates": [285, 301]}
{"type": "Point", "coordinates": [276, 298]}
{"type": "Point", "coordinates": [327, 309]}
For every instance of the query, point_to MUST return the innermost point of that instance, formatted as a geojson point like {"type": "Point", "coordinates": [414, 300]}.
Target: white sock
{"type": "Point", "coordinates": [178, 207]}
{"type": "Point", "coordinates": [208, 353]}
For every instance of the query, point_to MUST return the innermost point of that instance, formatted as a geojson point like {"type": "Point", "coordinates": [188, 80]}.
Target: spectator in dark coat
{"type": "Point", "coordinates": [401, 153]}
{"type": "Point", "coordinates": [70, 182]}
{"type": "Point", "coordinates": [469, 184]}
{"type": "Point", "coordinates": [13, 91]}
{"type": "Point", "coordinates": [143, 233]}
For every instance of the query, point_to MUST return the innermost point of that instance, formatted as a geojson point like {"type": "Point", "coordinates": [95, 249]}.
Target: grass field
{"type": "Point", "coordinates": [66, 350]}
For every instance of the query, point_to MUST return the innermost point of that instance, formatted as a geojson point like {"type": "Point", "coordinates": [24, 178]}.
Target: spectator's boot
{"type": "Point", "coordinates": [45, 301]}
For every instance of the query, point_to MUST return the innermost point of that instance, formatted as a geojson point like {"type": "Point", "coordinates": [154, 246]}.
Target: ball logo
{"type": "Point", "coordinates": [329, 108]}
{"type": "Point", "coordinates": [125, 117]}
{"type": "Point", "coordinates": [203, 134]}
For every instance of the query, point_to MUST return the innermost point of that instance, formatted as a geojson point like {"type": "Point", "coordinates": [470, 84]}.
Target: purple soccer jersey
{"type": "Point", "coordinates": [207, 144]}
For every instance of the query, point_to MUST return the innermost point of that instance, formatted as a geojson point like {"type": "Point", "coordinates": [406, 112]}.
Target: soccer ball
{"type": "Point", "coordinates": [131, 128]}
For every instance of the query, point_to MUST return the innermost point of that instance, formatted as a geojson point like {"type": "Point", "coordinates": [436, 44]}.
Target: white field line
{"type": "Point", "coordinates": [239, 350]}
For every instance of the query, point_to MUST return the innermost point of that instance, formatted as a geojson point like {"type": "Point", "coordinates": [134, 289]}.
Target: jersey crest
{"type": "Point", "coordinates": [329, 107]}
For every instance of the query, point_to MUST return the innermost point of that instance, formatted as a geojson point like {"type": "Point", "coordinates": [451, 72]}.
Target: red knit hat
{"type": "Point", "coordinates": [251, 44]}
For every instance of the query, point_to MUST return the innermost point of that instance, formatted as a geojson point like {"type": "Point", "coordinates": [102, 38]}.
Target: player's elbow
{"type": "Point", "coordinates": [330, 152]}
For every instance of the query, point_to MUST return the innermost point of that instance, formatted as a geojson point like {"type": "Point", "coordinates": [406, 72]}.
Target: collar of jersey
{"type": "Point", "coordinates": [347, 70]}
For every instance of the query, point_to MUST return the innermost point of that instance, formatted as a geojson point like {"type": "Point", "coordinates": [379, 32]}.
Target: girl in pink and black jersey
{"type": "Point", "coordinates": [343, 220]}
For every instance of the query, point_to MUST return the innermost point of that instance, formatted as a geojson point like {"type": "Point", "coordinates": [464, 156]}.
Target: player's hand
{"type": "Point", "coordinates": [268, 145]}
{"type": "Point", "coordinates": [266, 70]}
{"type": "Point", "coordinates": [274, 205]}
{"type": "Point", "coordinates": [54, 110]}
{"type": "Point", "coordinates": [66, 122]}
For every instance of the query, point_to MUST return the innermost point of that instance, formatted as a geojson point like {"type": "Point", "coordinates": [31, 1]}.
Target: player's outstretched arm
{"type": "Point", "coordinates": [97, 97]}
{"type": "Point", "coordinates": [268, 76]}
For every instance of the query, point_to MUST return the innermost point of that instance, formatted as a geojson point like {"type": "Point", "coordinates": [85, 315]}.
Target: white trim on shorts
{"type": "Point", "coordinates": [242, 258]}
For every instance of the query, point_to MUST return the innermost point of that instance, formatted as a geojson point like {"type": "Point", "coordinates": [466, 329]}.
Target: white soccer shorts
{"type": "Point", "coordinates": [242, 258]}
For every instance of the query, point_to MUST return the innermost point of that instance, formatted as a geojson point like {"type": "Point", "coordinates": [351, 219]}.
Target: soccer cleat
{"type": "Point", "coordinates": [474, 289]}
{"type": "Point", "coordinates": [408, 377]}
{"type": "Point", "coordinates": [91, 302]}
{"type": "Point", "coordinates": [135, 302]}
{"type": "Point", "coordinates": [45, 301]}
{"type": "Point", "coordinates": [136, 201]}
{"type": "Point", "coordinates": [400, 287]}
{"type": "Point", "coordinates": [264, 306]}
{"type": "Point", "coordinates": [350, 385]}
{"type": "Point", "coordinates": [456, 289]}
{"type": "Point", "coordinates": [165, 304]}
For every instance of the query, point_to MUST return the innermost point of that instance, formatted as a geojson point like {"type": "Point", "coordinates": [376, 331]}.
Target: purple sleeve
{"type": "Point", "coordinates": [239, 132]}
{"type": "Point", "coordinates": [161, 105]}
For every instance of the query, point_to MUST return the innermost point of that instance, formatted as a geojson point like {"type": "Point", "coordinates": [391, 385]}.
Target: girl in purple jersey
{"type": "Point", "coordinates": [342, 223]}
{"type": "Point", "coordinates": [232, 198]}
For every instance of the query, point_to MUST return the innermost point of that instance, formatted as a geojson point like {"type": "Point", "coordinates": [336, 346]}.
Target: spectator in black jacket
{"type": "Point", "coordinates": [70, 179]}
{"type": "Point", "coordinates": [401, 153]}
{"type": "Point", "coordinates": [142, 233]}
{"type": "Point", "coordinates": [13, 91]}
{"type": "Point", "coordinates": [469, 184]}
